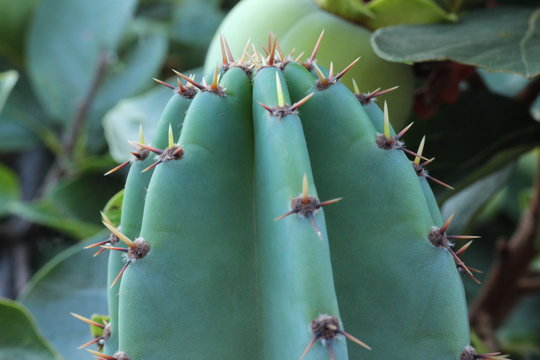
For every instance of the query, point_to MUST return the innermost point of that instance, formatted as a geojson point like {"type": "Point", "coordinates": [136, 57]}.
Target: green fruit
{"type": "Point", "coordinates": [297, 23]}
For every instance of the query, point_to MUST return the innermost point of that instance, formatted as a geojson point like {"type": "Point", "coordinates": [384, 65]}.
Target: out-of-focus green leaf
{"type": "Point", "coordinates": [20, 338]}
{"type": "Point", "coordinates": [466, 203]}
{"type": "Point", "coordinates": [63, 59]}
{"type": "Point", "coordinates": [500, 39]}
{"type": "Point", "coordinates": [23, 123]}
{"type": "Point", "coordinates": [9, 188]}
{"type": "Point", "coordinates": [113, 209]}
{"type": "Point", "coordinates": [122, 122]}
{"type": "Point", "coordinates": [73, 205]}
{"type": "Point", "coordinates": [195, 21]}
{"type": "Point", "coordinates": [7, 82]}
{"type": "Point", "coordinates": [15, 16]}
{"type": "Point", "coordinates": [73, 281]}
{"type": "Point", "coordinates": [403, 12]}
{"type": "Point", "coordinates": [44, 213]}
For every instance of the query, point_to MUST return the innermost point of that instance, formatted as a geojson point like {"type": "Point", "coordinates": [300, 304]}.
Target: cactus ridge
{"type": "Point", "coordinates": [240, 258]}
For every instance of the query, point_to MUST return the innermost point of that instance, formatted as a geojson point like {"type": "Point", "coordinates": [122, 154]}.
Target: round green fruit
{"type": "Point", "coordinates": [297, 23]}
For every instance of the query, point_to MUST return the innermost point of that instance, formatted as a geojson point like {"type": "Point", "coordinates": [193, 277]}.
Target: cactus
{"type": "Point", "coordinates": [286, 219]}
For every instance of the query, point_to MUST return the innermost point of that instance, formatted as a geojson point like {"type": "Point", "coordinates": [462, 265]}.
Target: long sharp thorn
{"type": "Point", "coordinates": [315, 226]}
{"type": "Point", "coordinates": [88, 321]}
{"type": "Point", "coordinates": [330, 202]}
{"type": "Point", "coordinates": [120, 273]}
{"type": "Point", "coordinates": [299, 57]}
{"type": "Point", "coordinates": [331, 352]}
{"type": "Point", "coordinates": [96, 244]}
{"type": "Point", "coordinates": [114, 248]}
{"type": "Point", "coordinates": [180, 85]}
{"type": "Point", "coordinates": [266, 107]}
{"type": "Point", "coordinates": [475, 270]}
{"type": "Point", "coordinates": [378, 93]}
{"type": "Point", "coordinates": [228, 50]}
{"type": "Point", "coordinates": [152, 166]}
{"type": "Point", "coordinates": [319, 73]}
{"type": "Point", "coordinates": [279, 90]}
{"type": "Point", "coordinates": [116, 232]}
{"type": "Point", "coordinates": [386, 121]}
{"type": "Point", "coordinates": [285, 215]}
{"type": "Point", "coordinates": [305, 189]}
{"type": "Point", "coordinates": [105, 218]}
{"type": "Point", "coordinates": [215, 79]}
{"type": "Point", "coordinates": [331, 71]}
{"type": "Point", "coordinates": [355, 87]}
{"type": "Point", "coordinates": [291, 53]}
{"type": "Point", "coordinates": [223, 52]}
{"type": "Point", "coordinates": [402, 132]}
{"type": "Point", "coordinates": [410, 152]}
{"type": "Point", "coordinates": [344, 71]}
{"type": "Point", "coordinates": [91, 342]}
{"type": "Point", "coordinates": [117, 167]}
{"type": "Point", "coordinates": [190, 80]}
{"type": "Point", "coordinates": [147, 147]}
{"type": "Point", "coordinates": [308, 348]}
{"type": "Point", "coordinates": [100, 355]}
{"type": "Point", "coordinates": [163, 83]}
{"type": "Point", "coordinates": [463, 237]}
{"type": "Point", "coordinates": [464, 248]}
{"type": "Point", "coordinates": [280, 52]}
{"type": "Point", "coordinates": [446, 224]}
{"type": "Point", "coordinates": [244, 52]}
{"type": "Point", "coordinates": [316, 49]}
{"type": "Point", "coordinates": [301, 102]}
{"type": "Point", "coordinates": [427, 162]}
{"type": "Point", "coordinates": [420, 150]}
{"type": "Point", "coordinates": [171, 137]}
{"type": "Point", "coordinates": [439, 182]}
{"type": "Point", "coordinates": [178, 151]}
{"type": "Point", "coordinates": [461, 264]}
{"type": "Point", "coordinates": [98, 252]}
{"type": "Point", "coordinates": [272, 53]}
{"type": "Point", "coordinates": [355, 340]}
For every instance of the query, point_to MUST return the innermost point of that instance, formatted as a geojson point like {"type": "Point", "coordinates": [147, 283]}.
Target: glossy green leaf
{"type": "Point", "coordinates": [503, 39]}
{"type": "Point", "coordinates": [63, 59]}
{"type": "Point", "coordinates": [9, 188]}
{"type": "Point", "coordinates": [7, 82]}
{"type": "Point", "coordinates": [21, 338]}
{"type": "Point", "coordinates": [23, 123]}
{"type": "Point", "coordinates": [403, 12]}
{"type": "Point", "coordinates": [73, 281]}
{"type": "Point", "coordinates": [466, 203]}
{"type": "Point", "coordinates": [73, 205]}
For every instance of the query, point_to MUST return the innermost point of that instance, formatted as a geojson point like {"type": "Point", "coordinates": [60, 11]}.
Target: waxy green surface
{"type": "Point", "coordinates": [133, 204]}
{"type": "Point", "coordinates": [396, 291]}
{"type": "Point", "coordinates": [194, 295]}
{"type": "Point", "coordinates": [295, 271]}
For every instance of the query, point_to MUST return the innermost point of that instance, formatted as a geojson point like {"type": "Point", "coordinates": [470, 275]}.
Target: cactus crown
{"type": "Point", "coordinates": [220, 256]}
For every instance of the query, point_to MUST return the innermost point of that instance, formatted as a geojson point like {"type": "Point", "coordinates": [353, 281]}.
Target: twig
{"type": "Point", "coordinates": [502, 289]}
{"type": "Point", "coordinates": [529, 93]}
{"type": "Point", "coordinates": [73, 133]}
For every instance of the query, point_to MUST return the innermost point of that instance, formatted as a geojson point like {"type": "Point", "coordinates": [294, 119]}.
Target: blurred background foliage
{"type": "Point", "coordinates": [76, 82]}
